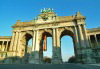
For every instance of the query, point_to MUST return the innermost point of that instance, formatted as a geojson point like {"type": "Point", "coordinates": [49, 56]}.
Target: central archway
{"type": "Point", "coordinates": [67, 37]}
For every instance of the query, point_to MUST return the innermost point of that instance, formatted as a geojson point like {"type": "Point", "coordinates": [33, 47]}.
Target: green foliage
{"type": "Point", "coordinates": [47, 60]}
{"type": "Point", "coordinates": [72, 59]}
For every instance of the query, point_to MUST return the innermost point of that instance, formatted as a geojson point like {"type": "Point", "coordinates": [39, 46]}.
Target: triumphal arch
{"type": "Point", "coordinates": [13, 49]}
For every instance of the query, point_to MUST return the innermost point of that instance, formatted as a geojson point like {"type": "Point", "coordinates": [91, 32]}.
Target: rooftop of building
{"type": "Point", "coordinates": [48, 15]}
{"type": "Point", "coordinates": [93, 29]}
{"type": "Point", "coordinates": [5, 37]}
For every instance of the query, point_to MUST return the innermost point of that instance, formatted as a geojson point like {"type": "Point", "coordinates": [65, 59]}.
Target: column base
{"type": "Point", "coordinates": [88, 56]}
{"type": "Point", "coordinates": [34, 58]}
{"type": "Point", "coordinates": [56, 61]}
{"type": "Point", "coordinates": [96, 55]}
{"type": "Point", "coordinates": [85, 55]}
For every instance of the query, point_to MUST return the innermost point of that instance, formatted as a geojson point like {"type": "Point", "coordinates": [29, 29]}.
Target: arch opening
{"type": "Point", "coordinates": [26, 46]}
{"type": "Point", "coordinates": [67, 45]}
{"type": "Point", "coordinates": [46, 55]}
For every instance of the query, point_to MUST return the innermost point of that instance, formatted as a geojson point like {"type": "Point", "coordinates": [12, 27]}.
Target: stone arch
{"type": "Point", "coordinates": [42, 35]}
{"type": "Point", "coordinates": [68, 30]}
{"type": "Point", "coordinates": [41, 32]}
{"type": "Point", "coordinates": [23, 46]}
{"type": "Point", "coordinates": [26, 32]}
{"type": "Point", "coordinates": [70, 33]}
{"type": "Point", "coordinates": [48, 34]}
{"type": "Point", "coordinates": [25, 38]}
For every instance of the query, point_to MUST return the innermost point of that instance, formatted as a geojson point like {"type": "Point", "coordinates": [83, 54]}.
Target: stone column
{"type": "Point", "coordinates": [37, 41]}
{"type": "Point", "coordinates": [33, 41]}
{"type": "Point", "coordinates": [56, 58]}
{"type": "Point", "coordinates": [19, 45]}
{"type": "Point", "coordinates": [15, 44]}
{"type": "Point", "coordinates": [85, 37]}
{"type": "Point", "coordinates": [6, 45]}
{"type": "Point", "coordinates": [31, 58]}
{"type": "Point", "coordinates": [16, 41]}
{"type": "Point", "coordinates": [2, 46]}
{"type": "Point", "coordinates": [86, 51]}
{"type": "Point", "coordinates": [96, 40]}
{"type": "Point", "coordinates": [90, 41]}
{"type": "Point", "coordinates": [82, 45]}
{"type": "Point", "coordinates": [35, 51]}
{"type": "Point", "coordinates": [76, 37]}
{"type": "Point", "coordinates": [57, 38]}
{"type": "Point", "coordinates": [81, 36]}
{"type": "Point", "coordinates": [58, 46]}
{"type": "Point", "coordinates": [54, 37]}
{"type": "Point", "coordinates": [12, 42]}
{"type": "Point", "coordinates": [90, 53]}
{"type": "Point", "coordinates": [77, 44]}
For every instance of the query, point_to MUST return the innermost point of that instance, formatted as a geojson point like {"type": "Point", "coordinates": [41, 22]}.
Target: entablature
{"type": "Point", "coordinates": [5, 38]}
{"type": "Point", "coordinates": [93, 31]}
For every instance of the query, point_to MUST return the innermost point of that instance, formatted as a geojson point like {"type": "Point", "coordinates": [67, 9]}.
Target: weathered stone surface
{"type": "Point", "coordinates": [14, 49]}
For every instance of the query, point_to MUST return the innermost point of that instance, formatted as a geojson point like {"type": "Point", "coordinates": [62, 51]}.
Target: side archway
{"type": "Point", "coordinates": [25, 49]}
{"type": "Point", "coordinates": [48, 52]}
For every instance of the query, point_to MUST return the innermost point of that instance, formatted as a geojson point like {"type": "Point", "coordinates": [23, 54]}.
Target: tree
{"type": "Point", "coordinates": [72, 59]}
{"type": "Point", "coordinates": [47, 60]}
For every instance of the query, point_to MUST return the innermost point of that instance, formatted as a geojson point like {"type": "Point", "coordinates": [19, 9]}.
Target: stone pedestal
{"type": "Point", "coordinates": [88, 56]}
{"type": "Point", "coordinates": [34, 58]}
{"type": "Point", "coordinates": [56, 59]}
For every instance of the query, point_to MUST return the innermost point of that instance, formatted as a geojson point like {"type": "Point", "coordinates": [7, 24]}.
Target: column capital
{"type": "Point", "coordinates": [35, 30]}
{"type": "Point", "coordinates": [66, 27]}
{"type": "Point", "coordinates": [96, 40]}
{"type": "Point", "coordinates": [75, 26]}
{"type": "Point", "coordinates": [95, 35]}
{"type": "Point", "coordinates": [53, 28]}
{"type": "Point", "coordinates": [79, 25]}
{"type": "Point", "coordinates": [16, 31]}
{"type": "Point", "coordinates": [45, 29]}
{"type": "Point", "coordinates": [7, 45]}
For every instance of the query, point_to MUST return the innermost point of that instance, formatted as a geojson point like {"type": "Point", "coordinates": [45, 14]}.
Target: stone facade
{"type": "Point", "coordinates": [86, 42]}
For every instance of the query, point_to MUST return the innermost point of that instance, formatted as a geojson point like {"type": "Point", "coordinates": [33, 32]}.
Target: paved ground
{"type": "Point", "coordinates": [95, 64]}
{"type": "Point", "coordinates": [48, 66]}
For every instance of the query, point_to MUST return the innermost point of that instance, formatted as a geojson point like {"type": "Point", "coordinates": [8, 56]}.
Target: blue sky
{"type": "Point", "coordinates": [13, 10]}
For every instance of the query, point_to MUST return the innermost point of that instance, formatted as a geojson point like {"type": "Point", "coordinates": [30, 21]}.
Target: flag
{"type": "Point", "coordinates": [45, 43]}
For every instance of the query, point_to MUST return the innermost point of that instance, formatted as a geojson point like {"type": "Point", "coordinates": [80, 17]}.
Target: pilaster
{"type": "Point", "coordinates": [2, 46]}
{"type": "Point", "coordinates": [15, 44]}
{"type": "Point", "coordinates": [56, 58]}
{"type": "Point", "coordinates": [76, 37]}
{"type": "Point", "coordinates": [77, 44]}
{"type": "Point", "coordinates": [85, 37]}
{"type": "Point", "coordinates": [19, 44]}
{"type": "Point", "coordinates": [33, 41]}
{"type": "Point", "coordinates": [12, 42]}
{"type": "Point", "coordinates": [34, 58]}
{"type": "Point", "coordinates": [90, 41]}
{"type": "Point", "coordinates": [96, 40]}
{"type": "Point", "coordinates": [7, 45]}
{"type": "Point", "coordinates": [85, 47]}
{"type": "Point", "coordinates": [81, 36]}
